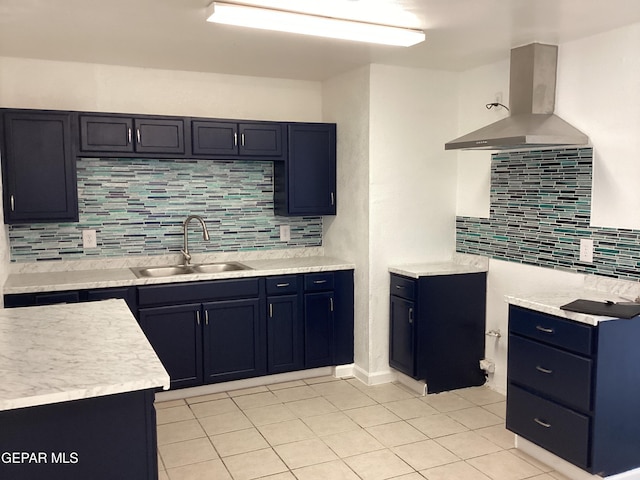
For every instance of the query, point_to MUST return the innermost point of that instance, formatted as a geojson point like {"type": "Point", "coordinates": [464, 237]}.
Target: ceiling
{"type": "Point", "coordinates": [173, 34]}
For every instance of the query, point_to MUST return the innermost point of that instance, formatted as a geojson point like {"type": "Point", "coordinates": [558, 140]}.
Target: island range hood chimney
{"type": "Point", "coordinates": [532, 123]}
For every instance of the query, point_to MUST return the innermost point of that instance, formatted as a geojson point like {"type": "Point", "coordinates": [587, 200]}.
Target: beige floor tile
{"type": "Point", "coordinates": [499, 409]}
{"type": "Point", "coordinates": [544, 476]}
{"type": "Point", "coordinates": [336, 470]}
{"type": "Point", "coordinates": [529, 459]}
{"type": "Point", "coordinates": [425, 454]}
{"type": "Point", "coordinates": [476, 417]}
{"type": "Point", "coordinates": [498, 435]}
{"type": "Point", "coordinates": [378, 465]}
{"type": "Point", "coordinates": [454, 471]}
{"type": "Point", "coordinates": [481, 395]}
{"type": "Point", "coordinates": [370, 416]}
{"type": "Point", "coordinates": [558, 476]}
{"type": "Point", "coordinates": [210, 470]}
{"type": "Point", "coordinates": [468, 445]}
{"type": "Point", "coordinates": [187, 452]}
{"type": "Point", "coordinates": [410, 408]}
{"type": "Point", "coordinates": [173, 414]}
{"type": "Point", "coordinates": [213, 407]}
{"type": "Point", "coordinates": [409, 476]}
{"type": "Point", "coordinates": [256, 400]}
{"type": "Point", "coordinates": [398, 433]}
{"type": "Point", "coordinates": [335, 388]}
{"type": "Point", "coordinates": [163, 475]}
{"type": "Point", "coordinates": [295, 393]}
{"type": "Point", "coordinates": [247, 391]}
{"type": "Point", "coordinates": [323, 379]}
{"type": "Point", "coordinates": [504, 466]}
{"type": "Point", "coordinates": [207, 398]}
{"type": "Point", "coordinates": [311, 407]}
{"type": "Point", "coordinates": [240, 441]}
{"type": "Point", "coordinates": [354, 442]}
{"type": "Point", "coordinates": [286, 432]}
{"type": "Point", "coordinates": [260, 463]}
{"type": "Point", "coordinates": [269, 414]}
{"type": "Point", "coordinates": [357, 383]}
{"type": "Point", "coordinates": [179, 432]}
{"type": "Point", "coordinates": [330, 424]}
{"type": "Point", "coordinates": [305, 453]}
{"type": "Point", "coordinates": [346, 401]}
{"type": "Point", "coordinates": [169, 404]}
{"type": "Point", "coordinates": [279, 386]}
{"type": "Point", "coordinates": [387, 392]}
{"type": "Point", "coordinates": [280, 476]}
{"type": "Point", "coordinates": [439, 425]}
{"type": "Point", "coordinates": [446, 401]}
{"type": "Point", "coordinates": [227, 422]}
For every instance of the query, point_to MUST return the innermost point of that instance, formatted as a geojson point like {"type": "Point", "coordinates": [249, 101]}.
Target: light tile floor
{"type": "Point", "coordinates": [330, 429]}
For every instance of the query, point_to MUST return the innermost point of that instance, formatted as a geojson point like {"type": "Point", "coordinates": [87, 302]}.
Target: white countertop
{"type": "Point", "coordinates": [459, 264]}
{"type": "Point", "coordinates": [550, 302]}
{"type": "Point", "coordinates": [59, 353]}
{"type": "Point", "coordinates": [118, 277]}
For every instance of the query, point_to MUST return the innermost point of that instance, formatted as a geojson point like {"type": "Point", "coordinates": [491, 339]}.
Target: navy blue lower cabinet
{"type": "Point", "coordinates": [175, 333]}
{"type": "Point", "coordinates": [401, 335]}
{"type": "Point", "coordinates": [234, 345]}
{"type": "Point", "coordinates": [343, 317]}
{"type": "Point", "coordinates": [318, 329]}
{"type": "Point", "coordinates": [100, 438]}
{"type": "Point", "coordinates": [284, 334]}
{"type": "Point", "coordinates": [574, 389]}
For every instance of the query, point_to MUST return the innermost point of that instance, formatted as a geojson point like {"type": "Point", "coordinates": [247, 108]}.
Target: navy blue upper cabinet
{"type": "Point", "coordinates": [39, 174]}
{"type": "Point", "coordinates": [124, 134]}
{"type": "Point", "coordinates": [305, 184]}
{"type": "Point", "coordinates": [231, 139]}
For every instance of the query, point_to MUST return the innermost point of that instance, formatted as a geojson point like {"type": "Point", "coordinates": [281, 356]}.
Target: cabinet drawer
{"type": "Point", "coordinates": [574, 336]}
{"type": "Point", "coordinates": [318, 281]}
{"type": "Point", "coordinates": [549, 425]}
{"type": "Point", "coordinates": [285, 284]}
{"type": "Point", "coordinates": [403, 287]}
{"type": "Point", "coordinates": [166, 294]}
{"type": "Point", "coordinates": [556, 373]}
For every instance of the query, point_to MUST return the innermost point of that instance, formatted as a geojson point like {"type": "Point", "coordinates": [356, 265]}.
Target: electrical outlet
{"type": "Point", "coordinates": [586, 250]}
{"type": "Point", "coordinates": [89, 239]}
{"type": "Point", "coordinates": [285, 233]}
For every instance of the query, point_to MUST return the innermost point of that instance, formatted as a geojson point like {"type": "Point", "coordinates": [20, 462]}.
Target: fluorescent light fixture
{"type": "Point", "coordinates": [292, 22]}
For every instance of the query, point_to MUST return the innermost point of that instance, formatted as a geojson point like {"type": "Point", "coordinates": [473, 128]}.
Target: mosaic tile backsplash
{"type": "Point", "coordinates": [137, 208]}
{"type": "Point", "coordinates": [540, 209]}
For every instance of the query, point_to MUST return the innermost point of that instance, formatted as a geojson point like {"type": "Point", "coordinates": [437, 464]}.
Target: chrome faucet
{"type": "Point", "coordinates": [205, 236]}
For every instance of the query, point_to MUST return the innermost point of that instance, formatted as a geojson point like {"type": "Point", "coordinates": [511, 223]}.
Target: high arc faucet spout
{"type": "Point", "coordinates": [205, 236]}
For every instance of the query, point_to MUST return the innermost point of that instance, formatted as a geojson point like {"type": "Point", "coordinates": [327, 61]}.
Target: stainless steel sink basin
{"type": "Point", "coordinates": [173, 270]}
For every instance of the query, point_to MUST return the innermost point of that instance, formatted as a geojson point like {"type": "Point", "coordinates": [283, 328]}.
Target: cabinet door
{"type": "Point", "coordinates": [305, 184]}
{"type": "Point", "coordinates": [159, 135]}
{"type": "Point", "coordinates": [233, 340]}
{"type": "Point", "coordinates": [101, 133]}
{"type": "Point", "coordinates": [284, 334]}
{"type": "Point", "coordinates": [402, 336]}
{"type": "Point", "coordinates": [38, 168]}
{"type": "Point", "coordinates": [343, 317]}
{"type": "Point", "coordinates": [260, 139]}
{"type": "Point", "coordinates": [318, 329]}
{"type": "Point", "coordinates": [175, 333]}
{"type": "Point", "coordinates": [214, 138]}
{"type": "Point", "coordinates": [127, 294]}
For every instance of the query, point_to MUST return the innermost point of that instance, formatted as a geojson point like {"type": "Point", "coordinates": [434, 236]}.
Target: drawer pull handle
{"type": "Point", "coordinates": [399, 287]}
{"type": "Point", "coordinates": [319, 282]}
{"type": "Point", "coordinates": [281, 285]}
{"type": "Point", "coordinates": [544, 330]}
{"type": "Point", "coordinates": [198, 317]}
{"type": "Point", "coordinates": [544, 370]}
{"type": "Point", "coordinates": [541, 423]}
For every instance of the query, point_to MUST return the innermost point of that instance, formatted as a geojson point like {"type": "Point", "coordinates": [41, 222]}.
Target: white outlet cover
{"type": "Point", "coordinates": [285, 233]}
{"type": "Point", "coordinates": [89, 239]}
{"type": "Point", "coordinates": [586, 250]}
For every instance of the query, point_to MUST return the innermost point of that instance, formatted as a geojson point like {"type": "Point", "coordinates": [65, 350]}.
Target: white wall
{"type": "Point", "coordinates": [346, 102]}
{"type": "Point", "coordinates": [412, 183]}
{"type": "Point", "coordinates": [597, 91]}
{"type": "Point", "coordinates": [40, 84]}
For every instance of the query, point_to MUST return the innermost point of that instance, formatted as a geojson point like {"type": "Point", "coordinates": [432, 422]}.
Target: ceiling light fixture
{"type": "Point", "coordinates": [292, 22]}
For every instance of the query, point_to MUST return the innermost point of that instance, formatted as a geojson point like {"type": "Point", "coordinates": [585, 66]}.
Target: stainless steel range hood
{"type": "Point", "coordinates": [532, 123]}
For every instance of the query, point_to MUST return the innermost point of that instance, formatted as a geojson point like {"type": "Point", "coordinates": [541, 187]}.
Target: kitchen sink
{"type": "Point", "coordinates": [173, 270]}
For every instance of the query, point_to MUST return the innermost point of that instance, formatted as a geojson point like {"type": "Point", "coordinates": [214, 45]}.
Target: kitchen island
{"type": "Point", "coordinates": [77, 392]}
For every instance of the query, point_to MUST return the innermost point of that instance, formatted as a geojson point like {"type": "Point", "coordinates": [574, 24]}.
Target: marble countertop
{"type": "Point", "coordinates": [59, 353]}
{"type": "Point", "coordinates": [459, 264]}
{"type": "Point", "coordinates": [123, 276]}
{"type": "Point", "coordinates": [550, 302]}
